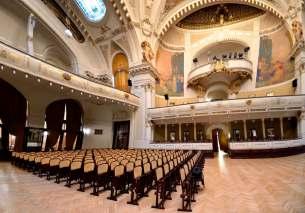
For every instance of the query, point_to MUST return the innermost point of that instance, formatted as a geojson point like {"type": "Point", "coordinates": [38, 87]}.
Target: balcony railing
{"type": "Point", "coordinates": [282, 104]}
{"type": "Point", "coordinates": [31, 65]}
{"type": "Point", "coordinates": [240, 65]}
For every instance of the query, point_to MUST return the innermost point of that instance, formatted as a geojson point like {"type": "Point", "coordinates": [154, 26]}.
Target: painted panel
{"type": "Point", "coordinates": [170, 65]}
{"type": "Point", "coordinates": [274, 64]}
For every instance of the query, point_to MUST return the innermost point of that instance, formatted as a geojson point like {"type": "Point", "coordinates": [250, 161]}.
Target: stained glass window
{"type": "Point", "coordinates": [94, 10]}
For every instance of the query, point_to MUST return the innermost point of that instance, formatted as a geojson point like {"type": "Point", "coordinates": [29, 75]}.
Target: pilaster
{"type": "Point", "coordinates": [143, 78]}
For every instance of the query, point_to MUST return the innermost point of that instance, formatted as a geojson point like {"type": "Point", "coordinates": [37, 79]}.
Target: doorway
{"type": "Point", "coordinates": [220, 141]}
{"type": "Point", "coordinates": [121, 131]}
{"type": "Point", "coordinates": [4, 143]}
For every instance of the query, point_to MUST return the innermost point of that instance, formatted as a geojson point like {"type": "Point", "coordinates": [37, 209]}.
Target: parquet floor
{"type": "Point", "coordinates": [232, 185]}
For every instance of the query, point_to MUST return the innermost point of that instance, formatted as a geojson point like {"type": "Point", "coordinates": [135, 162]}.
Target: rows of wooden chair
{"type": "Point", "coordinates": [119, 171]}
{"type": "Point", "coordinates": [191, 173]}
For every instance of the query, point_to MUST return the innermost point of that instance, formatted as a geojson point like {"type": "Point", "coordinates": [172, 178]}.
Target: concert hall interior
{"type": "Point", "coordinates": [140, 105]}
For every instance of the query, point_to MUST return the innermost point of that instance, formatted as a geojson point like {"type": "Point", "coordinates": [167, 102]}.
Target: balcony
{"type": "Point", "coordinates": [230, 110]}
{"type": "Point", "coordinates": [21, 61]}
{"type": "Point", "coordinates": [227, 72]}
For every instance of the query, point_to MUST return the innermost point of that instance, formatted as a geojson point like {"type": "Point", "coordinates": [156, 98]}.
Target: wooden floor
{"type": "Point", "coordinates": [232, 185]}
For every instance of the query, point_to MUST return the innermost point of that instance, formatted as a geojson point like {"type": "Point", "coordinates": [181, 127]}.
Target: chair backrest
{"type": "Point", "coordinates": [138, 163]}
{"type": "Point", "coordinates": [76, 165]}
{"type": "Point", "coordinates": [113, 165]}
{"type": "Point", "coordinates": [64, 163]}
{"type": "Point", "coordinates": [171, 165]}
{"type": "Point", "coordinates": [159, 173]}
{"type": "Point", "coordinates": [124, 162]}
{"type": "Point", "coordinates": [160, 163]}
{"type": "Point", "coordinates": [186, 169]}
{"type": "Point", "coordinates": [45, 160]}
{"type": "Point", "coordinates": [54, 162]}
{"type": "Point", "coordinates": [166, 169]}
{"type": "Point", "coordinates": [119, 170]}
{"type": "Point", "coordinates": [102, 168]}
{"type": "Point", "coordinates": [129, 166]}
{"type": "Point", "coordinates": [89, 167]}
{"type": "Point", "coordinates": [182, 174]}
{"type": "Point", "coordinates": [146, 168]}
{"type": "Point", "coordinates": [137, 172]}
{"type": "Point", "coordinates": [154, 164]}
{"type": "Point", "coordinates": [145, 160]}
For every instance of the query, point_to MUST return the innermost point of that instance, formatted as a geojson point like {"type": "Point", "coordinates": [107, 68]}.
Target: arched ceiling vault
{"type": "Point", "coordinates": [189, 7]}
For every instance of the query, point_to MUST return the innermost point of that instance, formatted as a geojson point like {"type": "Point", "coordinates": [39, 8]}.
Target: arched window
{"type": "Point", "coordinates": [94, 10]}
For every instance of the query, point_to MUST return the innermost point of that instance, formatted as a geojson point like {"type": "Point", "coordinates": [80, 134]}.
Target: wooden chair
{"type": "Point", "coordinates": [87, 176]}
{"type": "Point", "coordinates": [63, 170]}
{"type": "Point", "coordinates": [101, 179]}
{"type": "Point", "coordinates": [117, 183]}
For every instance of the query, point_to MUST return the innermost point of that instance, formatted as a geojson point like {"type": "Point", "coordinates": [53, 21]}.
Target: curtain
{"type": "Point", "coordinates": [54, 119]}
{"type": "Point", "coordinates": [13, 112]}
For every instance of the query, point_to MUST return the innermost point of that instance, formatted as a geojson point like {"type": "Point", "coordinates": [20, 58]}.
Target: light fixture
{"type": "Point", "coordinates": [26, 75]}
{"type": "Point", "coordinates": [14, 72]}
{"type": "Point", "coordinates": [2, 67]}
{"type": "Point", "coordinates": [38, 79]}
{"type": "Point", "coordinates": [81, 93]}
{"type": "Point", "coordinates": [61, 87]}
{"type": "Point", "coordinates": [86, 131]}
{"type": "Point", "coordinates": [51, 83]}
{"type": "Point", "coordinates": [68, 33]}
{"type": "Point", "coordinates": [72, 90]}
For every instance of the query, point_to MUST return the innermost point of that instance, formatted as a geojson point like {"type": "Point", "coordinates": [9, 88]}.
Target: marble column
{"type": "Point", "coordinates": [165, 137]}
{"type": "Point", "coordinates": [264, 129]}
{"type": "Point", "coordinates": [245, 129]}
{"type": "Point", "coordinates": [195, 132]}
{"type": "Point", "coordinates": [282, 129]}
{"type": "Point", "coordinates": [180, 132]}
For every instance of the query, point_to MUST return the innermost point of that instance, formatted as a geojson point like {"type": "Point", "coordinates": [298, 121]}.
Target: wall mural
{"type": "Point", "coordinates": [170, 65]}
{"type": "Point", "coordinates": [274, 64]}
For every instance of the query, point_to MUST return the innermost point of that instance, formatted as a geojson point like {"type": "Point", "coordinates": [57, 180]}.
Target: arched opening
{"type": "Point", "coordinates": [64, 123]}
{"type": "Point", "coordinates": [120, 71]}
{"type": "Point", "coordinates": [12, 119]}
{"type": "Point", "coordinates": [220, 141]}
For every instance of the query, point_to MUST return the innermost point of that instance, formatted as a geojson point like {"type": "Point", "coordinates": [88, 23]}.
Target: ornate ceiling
{"type": "Point", "coordinates": [219, 15]}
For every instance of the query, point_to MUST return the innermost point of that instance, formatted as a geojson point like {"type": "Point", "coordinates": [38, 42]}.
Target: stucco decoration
{"type": "Point", "coordinates": [147, 53]}
{"type": "Point", "coordinates": [297, 30]}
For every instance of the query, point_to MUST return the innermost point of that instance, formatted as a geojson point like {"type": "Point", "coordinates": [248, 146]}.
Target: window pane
{"type": "Point", "coordinates": [94, 10]}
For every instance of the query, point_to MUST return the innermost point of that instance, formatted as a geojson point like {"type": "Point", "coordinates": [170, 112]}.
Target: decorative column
{"type": "Point", "coordinates": [180, 133]}
{"type": "Point", "coordinates": [30, 33]}
{"type": "Point", "coordinates": [165, 135]}
{"type": "Point", "coordinates": [282, 129]}
{"type": "Point", "coordinates": [245, 129]}
{"type": "Point", "coordinates": [263, 126]}
{"type": "Point", "coordinates": [301, 125]}
{"type": "Point", "coordinates": [195, 132]}
{"type": "Point", "coordinates": [143, 78]}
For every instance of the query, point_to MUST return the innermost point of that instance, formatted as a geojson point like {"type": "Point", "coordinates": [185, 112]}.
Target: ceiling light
{"type": "Point", "coordinates": [26, 75]}
{"type": "Point", "coordinates": [51, 83]}
{"type": "Point", "coordinates": [14, 72]}
{"type": "Point", "coordinates": [68, 33]}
